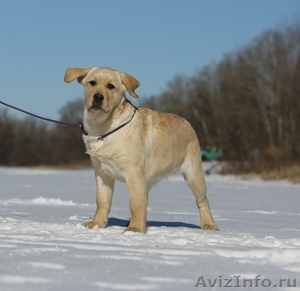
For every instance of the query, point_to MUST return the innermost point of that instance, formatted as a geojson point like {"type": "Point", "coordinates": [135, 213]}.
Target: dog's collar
{"type": "Point", "coordinates": [81, 125]}
{"type": "Point", "coordinates": [117, 128]}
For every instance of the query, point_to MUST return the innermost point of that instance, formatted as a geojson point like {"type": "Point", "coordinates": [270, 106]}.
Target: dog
{"type": "Point", "coordinates": [134, 145]}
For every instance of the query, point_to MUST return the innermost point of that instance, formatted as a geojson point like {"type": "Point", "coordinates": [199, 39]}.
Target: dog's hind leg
{"type": "Point", "coordinates": [194, 177]}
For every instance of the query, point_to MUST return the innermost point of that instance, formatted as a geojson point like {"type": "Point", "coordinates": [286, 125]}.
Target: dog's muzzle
{"type": "Point", "coordinates": [97, 101]}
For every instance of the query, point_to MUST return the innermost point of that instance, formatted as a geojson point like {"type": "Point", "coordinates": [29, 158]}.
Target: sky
{"type": "Point", "coordinates": [151, 40]}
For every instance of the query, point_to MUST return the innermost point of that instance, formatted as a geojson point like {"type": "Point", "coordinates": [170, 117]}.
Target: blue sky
{"type": "Point", "coordinates": [151, 40]}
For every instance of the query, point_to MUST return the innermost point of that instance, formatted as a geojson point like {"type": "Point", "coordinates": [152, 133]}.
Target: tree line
{"type": "Point", "coordinates": [246, 106]}
{"type": "Point", "coordinates": [30, 142]}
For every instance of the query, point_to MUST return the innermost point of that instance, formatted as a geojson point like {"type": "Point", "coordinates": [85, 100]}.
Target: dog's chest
{"type": "Point", "coordinates": [103, 159]}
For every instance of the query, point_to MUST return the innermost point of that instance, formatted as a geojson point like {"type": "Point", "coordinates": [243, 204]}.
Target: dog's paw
{"type": "Point", "coordinates": [93, 224]}
{"type": "Point", "coordinates": [210, 227]}
{"type": "Point", "coordinates": [135, 229]}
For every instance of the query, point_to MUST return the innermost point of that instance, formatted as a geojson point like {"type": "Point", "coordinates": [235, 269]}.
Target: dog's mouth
{"type": "Point", "coordinates": [95, 107]}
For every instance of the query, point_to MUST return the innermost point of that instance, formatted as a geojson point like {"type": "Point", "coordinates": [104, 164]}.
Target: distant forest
{"type": "Point", "coordinates": [246, 106]}
{"type": "Point", "coordinates": [31, 142]}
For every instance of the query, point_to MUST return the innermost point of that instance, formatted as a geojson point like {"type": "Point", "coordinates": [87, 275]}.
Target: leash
{"type": "Point", "coordinates": [80, 125]}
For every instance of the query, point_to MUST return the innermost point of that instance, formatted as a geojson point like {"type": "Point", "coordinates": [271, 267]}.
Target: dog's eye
{"type": "Point", "coordinates": [92, 83]}
{"type": "Point", "coordinates": [111, 86]}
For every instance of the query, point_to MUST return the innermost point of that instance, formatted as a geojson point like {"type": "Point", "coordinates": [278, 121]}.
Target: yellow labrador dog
{"type": "Point", "coordinates": [135, 145]}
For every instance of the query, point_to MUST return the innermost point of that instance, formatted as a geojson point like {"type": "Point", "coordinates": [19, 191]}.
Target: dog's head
{"type": "Point", "coordinates": [104, 87]}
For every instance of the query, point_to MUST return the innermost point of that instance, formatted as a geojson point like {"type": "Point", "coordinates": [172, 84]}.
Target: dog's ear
{"type": "Point", "coordinates": [75, 73]}
{"type": "Point", "coordinates": [130, 83]}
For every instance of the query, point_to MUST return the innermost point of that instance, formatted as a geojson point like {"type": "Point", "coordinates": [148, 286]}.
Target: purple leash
{"type": "Point", "coordinates": [80, 125]}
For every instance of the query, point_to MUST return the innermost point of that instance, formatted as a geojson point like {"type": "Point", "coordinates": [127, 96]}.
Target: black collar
{"type": "Point", "coordinates": [81, 125]}
{"type": "Point", "coordinates": [119, 127]}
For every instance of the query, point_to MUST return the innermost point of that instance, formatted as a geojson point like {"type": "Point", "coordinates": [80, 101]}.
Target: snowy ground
{"type": "Point", "coordinates": [43, 245]}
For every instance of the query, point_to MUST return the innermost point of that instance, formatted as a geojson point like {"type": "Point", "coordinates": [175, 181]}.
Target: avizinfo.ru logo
{"type": "Point", "coordinates": [240, 282]}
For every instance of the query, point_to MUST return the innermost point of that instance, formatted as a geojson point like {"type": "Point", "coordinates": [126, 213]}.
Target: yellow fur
{"type": "Point", "coordinates": [150, 147]}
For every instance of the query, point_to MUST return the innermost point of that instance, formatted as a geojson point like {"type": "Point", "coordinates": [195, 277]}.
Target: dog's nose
{"type": "Point", "coordinates": [98, 97]}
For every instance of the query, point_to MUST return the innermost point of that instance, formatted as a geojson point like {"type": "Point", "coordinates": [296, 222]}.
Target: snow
{"type": "Point", "coordinates": [43, 245]}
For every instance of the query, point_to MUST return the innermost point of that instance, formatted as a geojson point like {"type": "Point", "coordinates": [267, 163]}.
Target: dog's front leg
{"type": "Point", "coordinates": [138, 200]}
{"type": "Point", "coordinates": [105, 188]}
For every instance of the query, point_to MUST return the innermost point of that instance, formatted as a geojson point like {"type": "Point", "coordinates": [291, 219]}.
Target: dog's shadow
{"type": "Point", "coordinates": [113, 221]}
